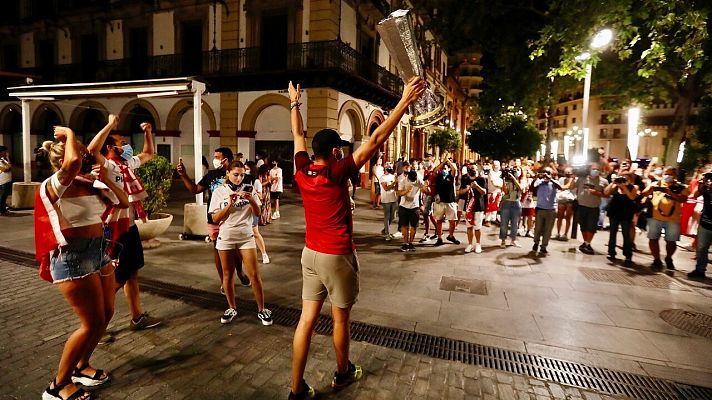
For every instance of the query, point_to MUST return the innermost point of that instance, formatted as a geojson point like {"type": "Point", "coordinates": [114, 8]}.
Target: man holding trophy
{"type": "Point", "coordinates": [329, 261]}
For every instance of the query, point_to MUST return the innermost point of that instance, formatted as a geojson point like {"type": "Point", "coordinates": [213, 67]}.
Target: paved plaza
{"type": "Point", "coordinates": [567, 306]}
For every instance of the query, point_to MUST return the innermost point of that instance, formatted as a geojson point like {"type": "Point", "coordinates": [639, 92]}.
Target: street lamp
{"type": "Point", "coordinates": [647, 132]}
{"type": "Point", "coordinates": [570, 138]}
{"type": "Point", "coordinates": [599, 41]}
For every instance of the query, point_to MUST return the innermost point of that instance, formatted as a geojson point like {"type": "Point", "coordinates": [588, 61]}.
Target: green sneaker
{"type": "Point", "coordinates": [307, 392]}
{"type": "Point", "coordinates": [144, 322]}
{"type": "Point", "coordinates": [353, 374]}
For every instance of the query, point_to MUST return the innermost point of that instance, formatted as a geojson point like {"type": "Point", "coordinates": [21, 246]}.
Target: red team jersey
{"type": "Point", "coordinates": [327, 206]}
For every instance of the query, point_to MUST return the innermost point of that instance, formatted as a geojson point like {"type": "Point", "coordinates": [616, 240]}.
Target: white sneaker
{"type": "Point", "coordinates": [397, 235]}
{"type": "Point", "coordinates": [265, 259]}
{"type": "Point", "coordinates": [388, 237]}
{"type": "Point", "coordinates": [274, 215]}
{"type": "Point", "coordinates": [515, 243]}
{"type": "Point", "coordinates": [468, 249]}
{"type": "Point", "coordinates": [279, 215]}
{"type": "Point", "coordinates": [478, 248]}
{"type": "Point", "coordinates": [230, 313]}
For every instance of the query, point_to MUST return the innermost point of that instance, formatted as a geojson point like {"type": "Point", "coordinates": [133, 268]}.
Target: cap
{"type": "Point", "coordinates": [327, 139]}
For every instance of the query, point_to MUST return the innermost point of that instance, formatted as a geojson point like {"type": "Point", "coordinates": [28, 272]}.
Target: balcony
{"type": "Point", "coordinates": [314, 64]}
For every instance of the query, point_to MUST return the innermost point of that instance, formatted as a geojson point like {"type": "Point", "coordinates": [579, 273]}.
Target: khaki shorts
{"type": "Point", "coordinates": [329, 274]}
{"type": "Point", "coordinates": [446, 211]}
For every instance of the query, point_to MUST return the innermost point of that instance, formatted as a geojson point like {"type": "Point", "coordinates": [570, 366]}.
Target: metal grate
{"type": "Point", "coordinates": [632, 278]}
{"type": "Point", "coordinates": [539, 367]}
{"type": "Point", "coordinates": [464, 285]}
{"type": "Point", "coordinates": [690, 321]}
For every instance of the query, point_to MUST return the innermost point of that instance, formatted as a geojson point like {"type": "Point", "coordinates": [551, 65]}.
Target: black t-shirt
{"type": "Point", "coordinates": [479, 199]}
{"type": "Point", "coordinates": [445, 188]}
{"type": "Point", "coordinates": [621, 207]}
{"type": "Point", "coordinates": [465, 181]}
{"type": "Point", "coordinates": [214, 179]}
{"type": "Point", "coordinates": [706, 217]}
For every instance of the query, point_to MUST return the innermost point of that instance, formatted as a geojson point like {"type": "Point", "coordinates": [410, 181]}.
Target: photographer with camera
{"type": "Point", "coordinates": [408, 210]}
{"type": "Point", "coordinates": [545, 186]}
{"type": "Point", "coordinates": [494, 190]}
{"type": "Point", "coordinates": [589, 191]}
{"type": "Point", "coordinates": [621, 209]}
{"type": "Point", "coordinates": [704, 230]}
{"type": "Point", "coordinates": [668, 195]}
{"type": "Point", "coordinates": [510, 207]}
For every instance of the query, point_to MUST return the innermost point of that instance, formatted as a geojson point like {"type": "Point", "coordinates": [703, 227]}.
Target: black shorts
{"type": "Point", "coordinates": [275, 195]}
{"type": "Point", "coordinates": [131, 256]}
{"type": "Point", "coordinates": [587, 218]}
{"type": "Point", "coordinates": [408, 217]}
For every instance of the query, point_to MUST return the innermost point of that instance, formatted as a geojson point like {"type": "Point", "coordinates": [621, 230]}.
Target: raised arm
{"type": "Point", "coordinates": [300, 142]}
{"type": "Point", "coordinates": [100, 138]}
{"type": "Point", "coordinates": [193, 187]}
{"type": "Point", "coordinates": [413, 89]}
{"type": "Point", "coordinates": [148, 153]}
{"type": "Point", "coordinates": [71, 163]}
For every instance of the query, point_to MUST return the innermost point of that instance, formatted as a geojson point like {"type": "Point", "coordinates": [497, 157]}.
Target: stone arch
{"type": "Point", "coordinates": [374, 120]}
{"type": "Point", "coordinates": [181, 107]}
{"type": "Point", "coordinates": [352, 110]}
{"type": "Point", "coordinates": [40, 124]}
{"type": "Point", "coordinates": [125, 119]}
{"type": "Point", "coordinates": [5, 115]}
{"type": "Point", "coordinates": [77, 117]}
{"type": "Point", "coordinates": [255, 108]}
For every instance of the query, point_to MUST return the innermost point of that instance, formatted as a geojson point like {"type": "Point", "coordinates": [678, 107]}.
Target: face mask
{"type": "Point", "coordinates": [389, 170]}
{"type": "Point", "coordinates": [594, 173]}
{"type": "Point", "coordinates": [217, 163]}
{"type": "Point", "coordinates": [427, 164]}
{"type": "Point", "coordinates": [127, 152]}
{"type": "Point", "coordinates": [658, 172]}
{"type": "Point", "coordinates": [232, 186]}
{"type": "Point", "coordinates": [668, 178]}
{"type": "Point", "coordinates": [445, 172]}
{"type": "Point", "coordinates": [517, 173]}
{"type": "Point", "coordinates": [471, 172]}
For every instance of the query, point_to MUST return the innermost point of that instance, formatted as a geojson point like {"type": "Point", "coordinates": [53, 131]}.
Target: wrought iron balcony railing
{"type": "Point", "coordinates": [312, 57]}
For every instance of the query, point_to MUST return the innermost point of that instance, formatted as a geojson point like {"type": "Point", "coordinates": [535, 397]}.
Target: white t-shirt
{"type": "Point", "coordinates": [238, 224]}
{"type": "Point", "coordinates": [5, 177]}
{"type": "Point", "coordinates": [412, 197]}
{"type": "Point", "coordinates": [258, 186]}
{"type": "Point", "coordinates": [388, 196]}
{"type": "Point", "coordinates": [276, 173]}
{"type": "Point", "coordinates": [114, 173]}
{"type": "Point", "coordinates": [378, 172]}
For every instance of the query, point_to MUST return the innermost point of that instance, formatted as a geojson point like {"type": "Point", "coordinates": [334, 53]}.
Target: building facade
{"type": "Point", "coordinates": [246, 51]}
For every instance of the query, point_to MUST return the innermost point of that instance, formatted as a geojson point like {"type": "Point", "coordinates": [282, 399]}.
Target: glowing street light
{"type": "Point", "coordinates": [599, 41]}
{"type": "Point", "coordinates": [602, 38]}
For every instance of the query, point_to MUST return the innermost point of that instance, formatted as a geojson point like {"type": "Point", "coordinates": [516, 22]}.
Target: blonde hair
{"type": "Point", "coordinates": [54, 151]}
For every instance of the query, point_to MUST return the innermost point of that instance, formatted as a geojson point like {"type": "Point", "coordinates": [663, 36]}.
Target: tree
{"type": "Point", "coordinates": [665, 43]}
{"type": "Point", "coordinates": [506, 136]}
{"type": "Point", "coordinates": [446, 139]}
{"type": "Point", "coordinates": [698, 148]}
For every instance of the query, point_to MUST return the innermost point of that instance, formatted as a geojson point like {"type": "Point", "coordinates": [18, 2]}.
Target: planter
{"type": "Point", "coordinates": [149, 230]}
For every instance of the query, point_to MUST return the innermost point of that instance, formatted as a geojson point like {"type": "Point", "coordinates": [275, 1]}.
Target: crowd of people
{"type": "Point", "coordinates": [87, 241]}
{"type": "Point", "coordinates": [521, 195]}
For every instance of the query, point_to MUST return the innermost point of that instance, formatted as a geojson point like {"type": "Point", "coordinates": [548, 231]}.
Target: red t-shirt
{"type": "Point", "coordinates": [327, 208]}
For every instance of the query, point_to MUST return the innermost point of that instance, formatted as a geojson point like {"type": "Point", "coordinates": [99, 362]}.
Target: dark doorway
{"type": "Point", "coordinates": [45, 58]}
{"type": "Point", "coordinates": [192, 47]}
{"type": "Point", "coordinates": [138, 53]}
{"type": "Point", "coordinates": [164, 150]}
{"type": "Point", "coordinates": [92, 120]}
{"type": "Point", "coordinates": [13, 128]}
{"type": "Point", "coordinates": [283, 152]}
{"type": "Point", "coordinates": [138, 116]}
{"type": "Point", "coordinates": [273, 40]}
{"type": "Point", "coordinates": [367, 47]}
{"type": "Point", "coordinates": [88, 56]}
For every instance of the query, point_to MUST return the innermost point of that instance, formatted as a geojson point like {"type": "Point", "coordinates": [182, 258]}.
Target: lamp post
{"type": "Point", "coordinates": [647, 132]}
{"type": "Point", "coordinates": [570, 138]}
{"type": "Point", "coordinates": [599, 41]}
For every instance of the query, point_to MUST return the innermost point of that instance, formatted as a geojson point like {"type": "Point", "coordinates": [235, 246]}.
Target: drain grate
{"type": "Point", "coordinates": [689, 321]}
{"type": "Point", "coordinates": [632, 278]}
{"type": "Point", "coordinates": [539, 367]}
{"type": "Point", "coordinates": [472, 286]}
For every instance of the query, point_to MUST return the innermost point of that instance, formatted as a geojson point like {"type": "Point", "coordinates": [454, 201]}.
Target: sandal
{"type": "Point", "coordinates": [53, 393]}
{"type": "Point", "coordinates": [99, 377]}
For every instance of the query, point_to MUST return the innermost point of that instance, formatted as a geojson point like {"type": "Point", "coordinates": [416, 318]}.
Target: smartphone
{"type": "Point", "coordinates": [248, 188]}
{"type": "Point", "coordinates": [659, 189]}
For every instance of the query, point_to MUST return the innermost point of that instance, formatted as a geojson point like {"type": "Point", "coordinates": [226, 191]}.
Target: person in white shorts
{"type": "Point", "coordinates": [474, 208]}
{"type": "Point", "coordinates": [234, 205]}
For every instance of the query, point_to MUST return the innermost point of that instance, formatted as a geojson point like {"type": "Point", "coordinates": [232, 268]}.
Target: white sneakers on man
{"type": "Point", "coordinates": [468, 249]}
{"type": "Point", "coordinates": [478, 248]}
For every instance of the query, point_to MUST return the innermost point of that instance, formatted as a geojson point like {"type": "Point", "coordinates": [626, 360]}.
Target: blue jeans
{"type": "Point", "coordinates": [627, 240]}
{"type": "Point", "coordinates": [389, 212]}
{"type": "Point", "coordinates": [510, 212]}
{"type": "Point", "coordinates": [704, 240]}
{"type": "Point", "coordinates": [4, 193]}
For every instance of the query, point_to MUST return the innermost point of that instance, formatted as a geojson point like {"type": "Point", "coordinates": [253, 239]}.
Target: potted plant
{"type": "Point", "coordinates": [156, 176]}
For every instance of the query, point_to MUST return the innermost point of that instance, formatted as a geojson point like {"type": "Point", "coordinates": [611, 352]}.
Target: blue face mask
{"type": "Point", "coordinates": [517, 173]}
{"type": "Point", "coordinates": [444, 172]}
{"type": "Point", "coordinates": [668, 178]}
{"type": "Point", "coordinates": [127, 152]}
{"type": "Point", "coordinates": [594, 173]}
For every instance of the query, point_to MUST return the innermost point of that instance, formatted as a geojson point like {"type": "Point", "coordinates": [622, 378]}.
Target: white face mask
{"type": "Point", "coordinates": [217, 163]}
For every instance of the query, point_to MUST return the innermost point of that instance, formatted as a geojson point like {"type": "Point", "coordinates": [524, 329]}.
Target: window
{"type": "Point", "coordinates": [573, 107]}
{"type": "Point", "coordinates": [603, 134]}
{"type": "Point", "coordinates": [616, 133]}
{"type": "Point", "coordinates": [573, 119]}
{"type": "Point", "coordinates": [604, 118]}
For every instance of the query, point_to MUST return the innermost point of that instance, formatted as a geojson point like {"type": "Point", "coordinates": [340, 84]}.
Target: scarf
{"type": "Point", "coordinates": [133, 187]}
{"type": "Point", "coordinates": [48, 233]}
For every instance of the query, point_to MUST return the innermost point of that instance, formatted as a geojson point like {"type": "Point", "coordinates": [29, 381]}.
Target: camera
{"type": "Point", "coordinates": [248, 188]}
{"type": "Point", "coordinates": [677, 189]}
{"type": "Point", "coordinates": [619, 180]}
{"type": "Point", "coordinates": [508, 172]}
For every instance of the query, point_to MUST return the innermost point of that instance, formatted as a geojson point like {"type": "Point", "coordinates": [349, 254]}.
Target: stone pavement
{"type": "Point", "coordinates": [193, 356]}
{"type": "Point", "coordinates": [569, 305]}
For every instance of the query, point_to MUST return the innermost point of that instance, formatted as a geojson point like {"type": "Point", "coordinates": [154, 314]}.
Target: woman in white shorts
{"type": "Point", "coordinates": [234, 205]}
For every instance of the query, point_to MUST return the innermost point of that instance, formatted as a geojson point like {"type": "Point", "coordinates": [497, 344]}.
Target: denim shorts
{"type": "Point", "coordinates": [81, 257]}
{"type": "Point", "coordinates": [656, 227]}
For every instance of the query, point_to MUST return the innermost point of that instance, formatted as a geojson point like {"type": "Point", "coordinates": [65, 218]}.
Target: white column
{"type": "Point", "coordinates": [198, 89]}
{"type": "Point", "coordinates": [586, 95]}
{"type": "Point", "coordinates": [26, 148]}
{"type": "Point", "coordinates": [633, 139]}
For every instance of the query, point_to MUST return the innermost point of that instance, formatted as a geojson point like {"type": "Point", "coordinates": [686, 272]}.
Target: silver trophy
{"type": "Point", "coordinates": [397, 34]}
